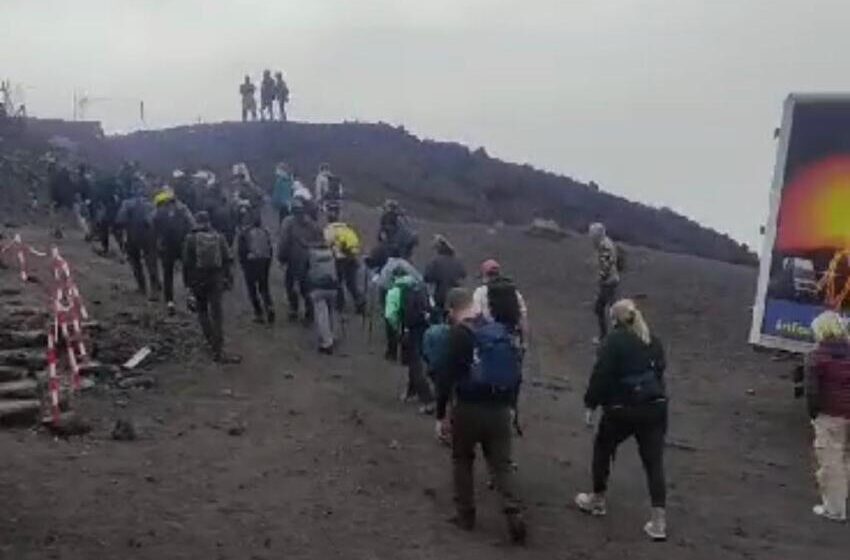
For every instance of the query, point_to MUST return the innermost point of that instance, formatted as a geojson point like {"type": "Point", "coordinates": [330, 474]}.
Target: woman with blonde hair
{"type": "Point", "coordinates": [628, 384]}
{"type": "Point", "coordinates": [828, 395]}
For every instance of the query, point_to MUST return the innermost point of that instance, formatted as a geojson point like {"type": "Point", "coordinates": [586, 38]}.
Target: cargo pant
{"type": "Point", "coordinates": [142, 255]}
{"type": "Point", "coordinates": [323, 309]}
{"type": "Point", "coordinates": [208, 293]}
{"type": "Point", "coordinates": [490, 425]}
{"type": "Point", "coordinates": [833, 457]}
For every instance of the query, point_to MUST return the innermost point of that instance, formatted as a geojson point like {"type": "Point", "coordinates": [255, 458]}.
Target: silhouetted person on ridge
{"type": "Point", "coordinates": [249, 103]}
{"type": "Point", "coordinates": [267, 95]}
{"type": "Point", "coordinates": [281, 93]}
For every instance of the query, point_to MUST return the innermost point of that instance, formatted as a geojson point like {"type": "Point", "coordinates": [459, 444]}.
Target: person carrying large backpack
{"type": "Point", "coordinates": [480, 378]}
{"type": "Point", "coordinates": [298, 233]}
{"type": "Point", "coordinates": [628, 384]}
{"type": "Point", "coordinates": [207, 271]}
{"type": "Point", "coordinates": [254, 249]}
{"type": "Point", "coordinates": [393, 268]}
{"type": "Point", "coordinates": [135, 217]}
{"type": "Point", "coordinates": [323, 283]}
{"type": "Point", "coordinates": [172, 223]}
{"type": "Point", "coordinates": [345, 244]}
{"type": "Point", "coordinates": [407, 310]}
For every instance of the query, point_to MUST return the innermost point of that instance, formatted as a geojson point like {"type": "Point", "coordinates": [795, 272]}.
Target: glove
{"type": "Point", "coordinates": [589, 418]}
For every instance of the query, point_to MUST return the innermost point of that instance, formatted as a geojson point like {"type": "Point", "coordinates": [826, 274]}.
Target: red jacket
{"type": "Point", "coordinates": [828, 389]}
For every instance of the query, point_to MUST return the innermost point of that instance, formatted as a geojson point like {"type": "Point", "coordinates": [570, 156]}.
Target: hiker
{"type": "Point", "coordinates": [104, 211]}
{"type": "Point", "coordinates": [828, 395]}
{"type": "Point", "coordinates": [172, 222]}
{"type": "Point", "coordinates": [498, 299]}
{"type": "Point", "coordinates": [395, 231]}
{"type": "Point", "coordinates": [445, 272]}
{"type": "Point", "coordinates": [281, 93]}
{"type": "Point", "coordinates": [328, 190]}
{"type": "Point", "coordinates": [345, 244]}
{"type": "Point", "coordinates": [184, 189]}
{"type": "Point", "coordinates": [207, 271]}
{"type": "Point", "coordinates": [628, 384]}
{"type": "Point", "coordinates": [298, 233]}
{"type": "Point", "coordinates": [282, 192]}
{"type": "Point", "coordinates": [245, 189]}
{"type": "Point", "coordinates": [609, 275]}
{"type": "Point", "coordinates": [249, 104]}
{"type": "Point", "coordinates": [254, 249]}
{"type": "Point", "coordinates": [407, 310]}
{"type": "Point", "coordinates": [222, 212]}
{"type": "Point", "coordinates": [267, 94]}
{"type": "Point", "coordinates": [135, 217]}
{"type": "Point", "coordinates": [323, 283]}
{"type": "Point", "coordinates": [480, 378]}
{"type": "Point", "coordinates": [384, 281]}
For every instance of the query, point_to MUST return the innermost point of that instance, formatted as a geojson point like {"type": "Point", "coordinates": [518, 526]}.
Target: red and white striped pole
{"type": "Point", "coordinates": [52, 378]}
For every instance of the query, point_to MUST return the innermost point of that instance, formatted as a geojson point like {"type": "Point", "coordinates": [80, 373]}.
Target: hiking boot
{"type": "Point", "coordinates": [326, 350]}
{"type": "Point", "coordinates": [270, 316]}
{"type": "Point", "coordinates": [427, 409]}
{"type": "Point", "coordinates": [517, 529]}
{"type": "Point", "coordinates": [821, 511]}
{"type": "Point", "coordinates": [258, 318]}
{"type": "Point", "coordinates": [172, 309]}
{"type": "Point", "coordinates": [592, 504]}
{"type": "Point", "coordinates": [656, 528]}
{"type": "Point", "coordinates": [464, 521]}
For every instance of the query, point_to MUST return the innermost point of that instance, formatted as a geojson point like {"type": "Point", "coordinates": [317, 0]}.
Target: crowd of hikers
{"type": "Point", "coordinates": [463, 349]}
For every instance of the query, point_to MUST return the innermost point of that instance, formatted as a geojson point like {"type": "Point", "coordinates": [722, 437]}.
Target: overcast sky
{"type": "Point", "coordinates": [670, 102]}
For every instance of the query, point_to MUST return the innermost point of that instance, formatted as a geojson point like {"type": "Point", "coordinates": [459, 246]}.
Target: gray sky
{"type": "Point", "coordinates": [670, 102]}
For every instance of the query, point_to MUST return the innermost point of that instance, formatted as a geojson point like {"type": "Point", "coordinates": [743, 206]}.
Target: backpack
{"type": "Point", "coordinates": [504, 302]}
{"type": "Point", "coordinates": [345, 240]}
{"type": "Point", "coordinates": [259, 243]}
{"type": "Point", "coordinates": [642, 388]}
{"type": "Point", "coordinates": [435, 346]}
{"type": "Point", "coordinates": [415, 305]}
{"type": "Point", "coordinates": [621, 258]}
{"type": "Point", "coordinates": [334, 191]}
{"type": "Point", "coordinates": [208, 255]}
{"type": "Point", "coordinates": [497, 362]}
{"type": "Point", "coordinates": [322, 272]}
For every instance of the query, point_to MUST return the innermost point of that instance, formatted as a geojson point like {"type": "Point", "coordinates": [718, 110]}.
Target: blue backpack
{"type": "Point", "coordinates": [435, 344]}
{"type": "Point", "coordinates": [497, 363]}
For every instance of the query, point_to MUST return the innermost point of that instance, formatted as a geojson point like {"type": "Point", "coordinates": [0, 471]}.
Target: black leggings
{"type": "Point", "coordinates": [648, 424]}
{"type": "Point", "coordinates": [256, 273]}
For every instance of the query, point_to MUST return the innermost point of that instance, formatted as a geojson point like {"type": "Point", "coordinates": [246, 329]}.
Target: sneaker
{"type": "Point", "coordinates": [427, 409]}
{"type": "Point", "coordinates": [172, 309]}
{"type": "Point", "coordinates": [821, 511]}
{"type": "Point", "coordinates": [592, 504]}
{"type": "Point", "coordinates": [656, 528]}
{"type": "Point", "coordinates": [326, 350]}
{"type": "Point", "coordinates": [517, 529]}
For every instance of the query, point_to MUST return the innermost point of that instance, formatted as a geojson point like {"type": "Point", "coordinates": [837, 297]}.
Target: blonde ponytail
{"type": "Point", "coordinates": [626, 314]}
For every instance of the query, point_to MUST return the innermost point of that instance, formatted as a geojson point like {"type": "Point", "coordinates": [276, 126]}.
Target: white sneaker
{"type": "Point", "coordinates": [657, 526]}
{"type": "Point", "coordinates": [592, 504]}
{"type": "Point", "coordinates": [821, 511]}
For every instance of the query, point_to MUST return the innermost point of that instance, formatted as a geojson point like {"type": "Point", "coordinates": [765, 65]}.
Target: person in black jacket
{"type": "Point", "coordinates": [628, 383]}
{"type": "Point", "coordinates": [445, 272]}
{"type": "Point", "coordinates": [254, 249]}
{"type": "Point", "coordinates": [479, 415]}
{"type": "Point", "coordinates": [172, 222]}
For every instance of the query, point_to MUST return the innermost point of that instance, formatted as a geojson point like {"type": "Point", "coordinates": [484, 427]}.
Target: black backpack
{"type": "Point", "coordinates": [504, 302]}
{"type": "Point", "coordinates": [334, 188]}
{"type": "Point", "coordinates": [415, 306]}
{"type": "Point", "coordinates": [643, 388]}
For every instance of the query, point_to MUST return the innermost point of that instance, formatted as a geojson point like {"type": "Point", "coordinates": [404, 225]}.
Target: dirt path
{"type": "Point", "coordinates": [293, 456]}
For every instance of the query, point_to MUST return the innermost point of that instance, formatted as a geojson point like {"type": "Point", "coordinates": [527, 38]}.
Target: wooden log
{"type": "Point", "coordinates": [22, 389]}
{"type": "Point", "coordinates": [23, 339]}
{"type": "Point", "coordinates": [24, 358]}
{"type": "Point", "coordinates": [21, 412]}
{"type": "Point", "coordinates": [10, 373]}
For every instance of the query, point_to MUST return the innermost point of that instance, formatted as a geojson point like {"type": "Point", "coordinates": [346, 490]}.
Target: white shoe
{"type": "Point", "coordinates": [592, 504]}
{"type": "Point", "coordinates": [656, 528]}
{"type": "Point", "coordinates": [821, 511]}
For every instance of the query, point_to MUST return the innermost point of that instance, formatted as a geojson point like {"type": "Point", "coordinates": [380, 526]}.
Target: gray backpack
{"type": "Point", "coordinates": [322, 272]}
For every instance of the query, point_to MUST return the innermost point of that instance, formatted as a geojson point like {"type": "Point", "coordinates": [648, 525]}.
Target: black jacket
{"type": "Point", "coordinates": [621, 355]}
{"type": "Point", "coordinates": [193, 277]}
{"type": "Point", "coordinates": [459, 358]}
{"type": "Point", "coordinates": [444, 273]}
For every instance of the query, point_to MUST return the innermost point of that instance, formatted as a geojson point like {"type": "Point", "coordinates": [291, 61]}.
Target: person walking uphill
{"type": "Point", "coordinates": [282, 192]}
{"type": "Point", "coordinates": [628, 383]}
{"type": "Point", "coordinates": [481, 375]}
{"type": "Point", "coordinates": [828, 394]}
{"type": "Point", "coordinates": [207, 270]}
{"type": "Point", "coordinates": [298, 233]}
{"type": "Point", "coordinates": [323, 283]}
{"type": "Point", "coordinates": [135, 218]}
{"type": "Point", "coordinates": [172, 223]}
{"type": "Point", "coordinates": [254, 249]}
{"type": "Point", "coordinates": [445, 272]}
{"type": "Point", "coordinates": [609, 275]}
{"type": "Point", "coordinates": [345, 243]}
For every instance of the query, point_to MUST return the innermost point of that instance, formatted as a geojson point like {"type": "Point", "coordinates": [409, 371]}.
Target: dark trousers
{"type": "Point", "coordinates": [256, 273]}
{"type": "Point", "coordinates": [648, 424]}
{"type": "Point", "coordinates": [347, 270]}
{"type": "Point", "coordinates": [295, 282]}
{"type": "Point", "coordinates": [605, 298]}
{"type": "Point", "coordinates": [208, 293]}
{"type": "Point", "coordinates": [490, 425]}
{"type": "Point", "coordinates": [417, 383]}
{"type": "Point", "coordinates": [282, 213]}
{"type": "Point", "coordinates": [391, 335]}
{"type": "Point", "coordinates": [169, 262]}
{"type": "Point", "coordinates": [103, 230]}
{"type": "Point", "coordinates": [139, 252]}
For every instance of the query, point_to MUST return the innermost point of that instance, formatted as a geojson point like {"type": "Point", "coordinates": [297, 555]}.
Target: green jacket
{"type": "Point", "coordinates": [393, 303]}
